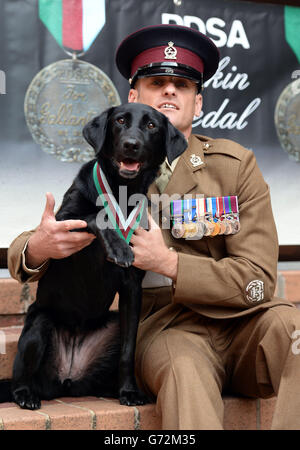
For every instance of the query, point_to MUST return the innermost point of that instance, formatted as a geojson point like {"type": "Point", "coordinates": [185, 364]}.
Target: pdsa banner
{"type": "Point", "coordinates": [51, 48]}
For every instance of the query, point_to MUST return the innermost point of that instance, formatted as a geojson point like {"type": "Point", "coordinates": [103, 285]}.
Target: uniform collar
{"type": "Point", "coordinates": [182, 180]}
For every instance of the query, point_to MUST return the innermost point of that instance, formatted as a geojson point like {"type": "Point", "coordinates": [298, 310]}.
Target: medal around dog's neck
{"type": "Point", "coordinates": [124, 227]}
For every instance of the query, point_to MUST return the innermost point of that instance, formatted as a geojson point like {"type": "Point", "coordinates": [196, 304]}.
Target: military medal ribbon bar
{"type": "Point", "coordinates": [198, 217]}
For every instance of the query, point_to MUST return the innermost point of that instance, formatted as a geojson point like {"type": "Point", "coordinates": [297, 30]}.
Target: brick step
{"type": "Point", "coordinates": [16, 298]}
{"type": "Point", "coordinates": [84, 413]}
{"type": "Point", "coordinates": [9, 337]}
{"type": "Point", "coordinates": [91, 413]}
{"type": "Point", "coordinates": [103, 414]}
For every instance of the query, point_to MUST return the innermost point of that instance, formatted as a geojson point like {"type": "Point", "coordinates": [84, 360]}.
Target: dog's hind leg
{"type": "Point", "coordinates": [130, 298]}
{"type": "Point", "coordinates": [31, 350]}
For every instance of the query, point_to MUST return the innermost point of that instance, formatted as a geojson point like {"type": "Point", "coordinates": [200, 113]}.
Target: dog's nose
{"type": "Point", "coordinates": [131, 144]}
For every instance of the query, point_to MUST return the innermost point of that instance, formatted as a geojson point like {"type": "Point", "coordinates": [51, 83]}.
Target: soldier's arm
{"type": "Point", "coordinates": [17, 264]}
{"type": "Point", "coordinates": [29, 253]}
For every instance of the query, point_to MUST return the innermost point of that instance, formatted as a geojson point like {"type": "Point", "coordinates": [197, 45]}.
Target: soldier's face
{"type": "Point", "coordinates": [175, 97]}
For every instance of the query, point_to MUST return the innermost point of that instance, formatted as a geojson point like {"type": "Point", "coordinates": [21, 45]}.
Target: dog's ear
{"type": "Point", "coordinates": [94, 132]}
{"type": "Point", "coordinates": [175, 142]}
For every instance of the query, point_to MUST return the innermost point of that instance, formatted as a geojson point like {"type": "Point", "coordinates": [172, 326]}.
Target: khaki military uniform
{"type": "Point", "coordinates": [219, 326]}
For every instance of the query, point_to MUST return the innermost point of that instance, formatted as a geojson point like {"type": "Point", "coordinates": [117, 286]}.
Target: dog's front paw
{"type": "Point", "coordinates": [122, 255]}
{"type": "Point", "coordinates": [26, 399]}
{"type": "Point", "coordinates": [133, 397]}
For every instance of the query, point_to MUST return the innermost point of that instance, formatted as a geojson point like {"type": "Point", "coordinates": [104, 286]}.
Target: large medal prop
{"type": "Point", "coordinates": [287, 110]}
{"type": "Point", "coordinates": [67, 94]}
{"type": "Point", "coordinates": [198, 217]}
{"type": "Point", "coordinates": [116, 220]}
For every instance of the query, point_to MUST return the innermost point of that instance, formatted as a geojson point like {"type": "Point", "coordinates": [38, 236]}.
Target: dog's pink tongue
{"type": "Point", "coordinates": [129, 165]}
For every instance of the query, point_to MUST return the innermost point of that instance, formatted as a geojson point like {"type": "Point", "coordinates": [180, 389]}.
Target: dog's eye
{"type": "Point", "coordinates": [151, 125]}
{"type": "Point", "coordinates": [121, 120]}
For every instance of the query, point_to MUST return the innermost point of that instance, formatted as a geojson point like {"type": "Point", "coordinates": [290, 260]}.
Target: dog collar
{"type": "Point", "coordinates": [124, 228]}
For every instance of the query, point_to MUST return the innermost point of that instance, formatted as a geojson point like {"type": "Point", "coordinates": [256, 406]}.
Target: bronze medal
{"type": "Point", "coordinates": [216, 229]}
{"type": "Point", "coordinates": [210, 226]}
{"type": "Point", "coordinates": [60, 100]}
{"type": "Point", "coordinates": [222, 226]}
{"type": "Point", "coordinates": [228, 226]}
{"type": "Point", "coordinates": [236, 226]}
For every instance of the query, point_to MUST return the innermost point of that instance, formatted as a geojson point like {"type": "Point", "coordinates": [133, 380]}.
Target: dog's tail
{"type": "Point", "coordinates": [5, 391]}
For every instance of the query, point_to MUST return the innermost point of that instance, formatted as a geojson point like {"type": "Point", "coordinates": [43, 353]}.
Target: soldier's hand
{"type": "Point", "coordinates": [151, 252]}
{"type": "Point", "coordinates": [53, 239]}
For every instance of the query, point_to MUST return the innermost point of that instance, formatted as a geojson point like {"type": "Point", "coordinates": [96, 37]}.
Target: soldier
{"type": "Point", "coordinates": [210, 322]}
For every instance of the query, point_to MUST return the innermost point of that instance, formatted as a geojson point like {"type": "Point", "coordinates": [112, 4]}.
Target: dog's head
{"type": "Point", "coordinates": [135, 137]}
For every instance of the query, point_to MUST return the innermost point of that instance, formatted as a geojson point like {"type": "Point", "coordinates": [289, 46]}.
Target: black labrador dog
{"type": "Point", "coordinates": [72, 344]}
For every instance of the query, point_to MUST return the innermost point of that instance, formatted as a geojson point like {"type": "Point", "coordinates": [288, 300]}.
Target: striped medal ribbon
{"type": "Point", "coordinates": [232, 205]}
{"type": "Point", "coordinates": [220, 215]}
{"type": "Point", "coordinates": [200, 213]}
{"type": "Point", "coordinates": [211, 212]}
{"type": "Point", "coordinates": [123, 227]}
{"type": "Point", "coordinates": [177, 215]}
{"type": "Point", "coordinates": [74, 24]}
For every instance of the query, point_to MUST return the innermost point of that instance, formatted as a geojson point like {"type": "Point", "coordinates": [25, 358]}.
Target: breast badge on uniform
{"type": "Point", "coordinates": [195, 218]}
{"type": "Point", "coordinates": [196, 160]}
{"type": "Point", "coordinates": [255, 291]}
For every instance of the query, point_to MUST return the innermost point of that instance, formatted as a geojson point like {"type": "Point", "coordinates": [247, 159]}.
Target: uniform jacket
{"type": "Point", "coordinates": [218, 277]}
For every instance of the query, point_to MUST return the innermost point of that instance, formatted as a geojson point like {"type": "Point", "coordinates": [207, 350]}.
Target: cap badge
{"type": "Point", "coordinates": [196, 160]}
{"type": "Point", "coordinates": [170, 51]}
